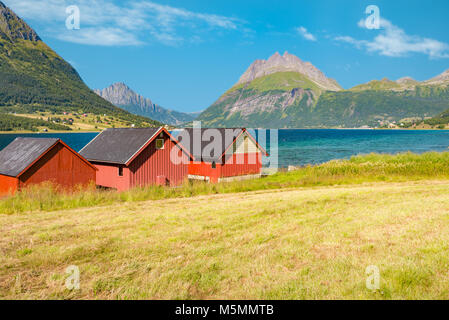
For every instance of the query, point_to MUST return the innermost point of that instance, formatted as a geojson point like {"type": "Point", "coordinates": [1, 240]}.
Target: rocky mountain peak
{"type": "Point", "coordinates": [285, 63]}
{"type": "Point", "coordinates": [440, 79]}
{"type": "Point", "coordinates": [120, 94]}
{"type": "Point", "coordinates": [124, 97]}
{"type": "Point", "coordinates": [13, 28]}
{"type": "Point", "coordinates": [406, 80]}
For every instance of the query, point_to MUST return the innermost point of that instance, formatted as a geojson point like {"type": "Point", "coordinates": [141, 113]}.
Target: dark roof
{"type": "Point", "coordinates": [21, 153]}
{"type": "Point", "coordinates": [117, 145]}
{"type": "Point", "coordinates": [228, 135]}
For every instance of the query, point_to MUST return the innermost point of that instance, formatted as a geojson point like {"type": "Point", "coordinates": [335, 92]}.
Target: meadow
{"type": "Point", "coordinates": [305, 234]}
{"type": "Point", "coordinates": [358, 169]}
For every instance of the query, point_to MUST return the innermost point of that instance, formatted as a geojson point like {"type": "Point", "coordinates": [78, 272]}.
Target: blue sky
{"type": "Point", "coordinates": [185, 54]}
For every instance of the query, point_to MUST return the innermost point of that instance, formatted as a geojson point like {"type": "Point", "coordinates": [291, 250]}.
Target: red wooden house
{"type": "Point", "coordinates": [136, 157]}
{"type": "Point", "coordinates": [234, 155]}
{"type": "Point", "coordinates": [28, 161]}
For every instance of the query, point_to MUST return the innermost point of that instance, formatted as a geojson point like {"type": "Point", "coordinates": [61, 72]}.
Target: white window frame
{"type": "Point", "coordinates": [163, 144]}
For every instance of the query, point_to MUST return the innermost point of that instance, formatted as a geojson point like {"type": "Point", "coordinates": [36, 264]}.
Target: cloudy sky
{"type": "Point", "coordinates": [185, 54]}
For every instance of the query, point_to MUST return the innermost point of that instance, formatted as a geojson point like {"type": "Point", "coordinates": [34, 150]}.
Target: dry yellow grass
{"type": "Point", "coordinates": [310, 243]}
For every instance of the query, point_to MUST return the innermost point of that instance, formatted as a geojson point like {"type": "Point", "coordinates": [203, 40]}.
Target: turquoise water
{"type": "Point", "coordinates": [301, 147]}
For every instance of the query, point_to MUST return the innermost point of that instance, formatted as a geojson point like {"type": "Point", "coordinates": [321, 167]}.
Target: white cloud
{"type": "Point", "coordinates": [100, 37]}
{"type": "Point", "coordinates": [392, 41]}
{"type": "Point", "coordinates": [134, 22]}
{"type": "Point", "coordinates": [305, 34]}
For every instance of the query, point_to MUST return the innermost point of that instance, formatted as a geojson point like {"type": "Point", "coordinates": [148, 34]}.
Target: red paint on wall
{"type": "Point", "coordinates": [242, 164]}
{"type": "Point", "coordinates": [145, 169]}
{"type": "Point", "coordinates": [153, 162]}
{"type": "Point", "coordinates": [204, 169]}
{"type": "Point", "coordinates": [232, 166]}
{"type": "Point", "coordinates": [8, 185]}
{"type": "Point", "coordinates": [108, 176]}
{"type": "Point", "coordinates": [59, 165]}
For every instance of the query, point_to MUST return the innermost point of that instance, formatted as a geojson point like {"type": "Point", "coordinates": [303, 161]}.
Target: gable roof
{"type": "Point", "coordinates": [121, 145]}
{"type": "Point", "coordinates": [22, 153]}
{"type": "Point", "coordinates": [228, 137]}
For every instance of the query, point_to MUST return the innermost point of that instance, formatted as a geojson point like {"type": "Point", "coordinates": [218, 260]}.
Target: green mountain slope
{"type": "Point", "coordinates": [277, 100]}
{"type": "Point", "coordinates": [371, 107]}
{"type": "Point", "coordinates": [440, 83]}
{"type": "Point", "coordinates": [10, 122]}
{"type": "Point", "coordinates": [33, 78]}
{"type": "Point", "coordinates": [378, 85]}
{"type": "Point", "coordinates": [295, 100]}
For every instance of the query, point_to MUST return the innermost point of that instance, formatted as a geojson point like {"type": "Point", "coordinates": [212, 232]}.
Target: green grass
{"type": "Point", "coordinates": [10, 123]}
{"type": "Point", "coordinates": [307, 243]}
{"type": "Point", "coordinates": [306, 234]}
{"type": "Point", "coordinates": [357, 170]}
{"type": "Point", "coordinates": [284, 81]}
{"type": "Point", "coordinates": [377, 85]}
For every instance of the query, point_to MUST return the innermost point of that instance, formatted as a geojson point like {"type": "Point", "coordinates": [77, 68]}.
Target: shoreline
{"type": "Point", "coordinates": [51, 132]}
{"type": "Point", "coordinates": [354, 129]}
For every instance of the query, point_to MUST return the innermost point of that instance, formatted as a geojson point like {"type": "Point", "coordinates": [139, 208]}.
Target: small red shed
{"type": "Point", "coordinates": [136, 157]}
{"type": "Point", "coordinates": [222, 154]}
{"type": "Point", "coordinates": [28, 161]}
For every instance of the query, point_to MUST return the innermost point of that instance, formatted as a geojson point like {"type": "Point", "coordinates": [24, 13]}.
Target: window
{"type": "Point", "coordinates": [120, 171]}
{"type": "Point", "coordinates": [159, 144]}
{"type": "Point", "coordinates": [214, 165]}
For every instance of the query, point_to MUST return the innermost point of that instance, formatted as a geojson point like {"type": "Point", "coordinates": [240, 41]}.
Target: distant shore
{"type": "Point", "coordinates": [49, 132]}
{"type": "Point", "coordinates": [371, 129]}
{"type": "Point", "coordinates": [98, 131]}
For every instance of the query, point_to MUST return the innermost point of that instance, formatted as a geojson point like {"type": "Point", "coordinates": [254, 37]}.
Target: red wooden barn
{"type": "Point", "coordinates": [222, 154]}
{"type": "Point", "coordinates": [28, 161]}
{"type": "Point", "coordinates": [135, 157]}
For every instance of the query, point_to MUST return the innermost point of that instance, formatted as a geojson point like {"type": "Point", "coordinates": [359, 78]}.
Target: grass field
{"type": "Point", "coordinates": [291, 244]}
{"type": "Point", "coordinates": [308, 234]}
{"type": "Point", "coordinates": [360, 169]}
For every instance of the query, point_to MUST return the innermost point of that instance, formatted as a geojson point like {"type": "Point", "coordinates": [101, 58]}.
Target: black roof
{"type": "Point", "coordinates": [228, 135]}
{"type": "Point", "coordinates": [22, 152]}
{"type": "Point", "coordinates": [117, 145]}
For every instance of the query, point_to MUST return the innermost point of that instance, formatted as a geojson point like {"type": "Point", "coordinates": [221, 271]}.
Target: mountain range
{"type": "Point", "coordinates": [280, 92]}
{"type": "Point", "coordinates": [120, 95]}
{"type": "Point", "coordinates": [33, 78]}
{"type": "Point", "coordinates": [285, 92]}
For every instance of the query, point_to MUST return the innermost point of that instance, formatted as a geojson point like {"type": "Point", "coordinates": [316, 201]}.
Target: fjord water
{"type": "Point", "coordinates": [301, 147]}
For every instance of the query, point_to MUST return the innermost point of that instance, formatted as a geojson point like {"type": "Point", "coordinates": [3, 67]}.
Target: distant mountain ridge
{"type": "Point", "coordinates": [280, 92]}
{"type": "Point", "coordinates": [441, 79]}
{"type": "Point", "coordinates": [288, 63]}
{"type": "Point", "coordinates": [285, 92]}
{"type": "Point", "coordinates": [120, 95]}
{"type": "Point", "coordinates": [34, 78]}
